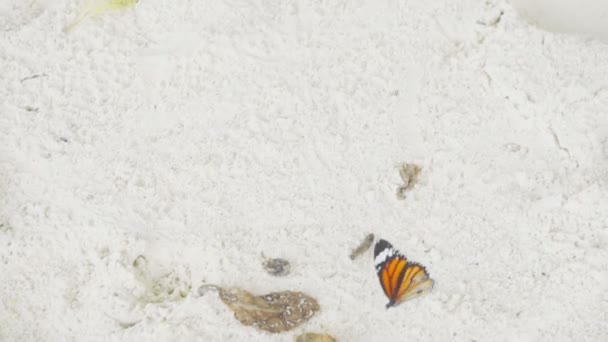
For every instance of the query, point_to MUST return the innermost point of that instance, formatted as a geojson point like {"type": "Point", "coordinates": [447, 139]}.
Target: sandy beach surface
{"type": "Point", "coordinates": [178, 143]}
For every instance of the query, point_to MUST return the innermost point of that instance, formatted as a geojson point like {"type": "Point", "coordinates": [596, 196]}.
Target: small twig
{"type": "Point", "coordinates": [363, 246]}
{"type": "Point", "coordinates": [33, 77]}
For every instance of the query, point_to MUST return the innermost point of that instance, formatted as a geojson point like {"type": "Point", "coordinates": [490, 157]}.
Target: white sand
{"type": "Point", "coordinates": [200, 134]}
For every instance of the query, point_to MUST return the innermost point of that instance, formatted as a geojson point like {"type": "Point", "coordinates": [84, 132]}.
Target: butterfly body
{"type": "Point", "coordinates": [400, 279]}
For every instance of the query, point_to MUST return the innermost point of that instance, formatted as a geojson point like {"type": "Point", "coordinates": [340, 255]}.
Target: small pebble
{"type": "Point", "coordinates": [277, 267]}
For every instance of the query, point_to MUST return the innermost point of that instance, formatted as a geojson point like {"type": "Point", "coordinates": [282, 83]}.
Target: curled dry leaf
{"type": "Point", "coordinates": [315, 337]}
{"type": "Point", "coordinates": [409, 174]}
{"type": "Point", "coordinates": [274, 312]}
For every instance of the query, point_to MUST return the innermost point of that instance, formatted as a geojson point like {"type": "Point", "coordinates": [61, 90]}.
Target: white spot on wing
{"type": "Point", "coordinates": [383, 256]}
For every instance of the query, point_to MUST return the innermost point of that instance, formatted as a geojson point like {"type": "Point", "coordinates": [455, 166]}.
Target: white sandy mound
{"type": "Point", "coordinates": [586, 17]}
{"type": "Point", "coordinates": [153, 150]}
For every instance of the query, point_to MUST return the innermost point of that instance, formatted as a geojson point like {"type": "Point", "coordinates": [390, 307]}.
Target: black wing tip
{"type": "Point", "coordinates": [381, 245]}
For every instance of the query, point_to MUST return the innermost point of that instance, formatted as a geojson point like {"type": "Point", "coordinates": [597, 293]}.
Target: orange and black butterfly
{"type": "Point", "coordinates": [400, 279]}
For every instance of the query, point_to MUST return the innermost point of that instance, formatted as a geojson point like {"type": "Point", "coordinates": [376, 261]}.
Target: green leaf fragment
{"type": "Point", "coordinates": [99, 7]}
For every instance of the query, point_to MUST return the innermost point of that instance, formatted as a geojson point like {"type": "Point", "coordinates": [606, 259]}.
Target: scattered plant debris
{"type": "Point", "coordinates": [5, 227]}
{"type": "Point", "coordinates": [409, 174]}
{"type": "Point", "coordinates": [127, 325]}
{"type": "Point", "coordinates": [33, 77]}
{"type": "Point", "coordinates": [363, 246]}
{"type": "Point", "coordinates": [99, 7]}
{"type": "Point", "coordinates": [315, 337]}
{"type": "Point", "coordinates": [168, 287]}
{"type": "Point", "coordinates": [274, 312]}
{"type": "Point", "coordinates": [276, 266]}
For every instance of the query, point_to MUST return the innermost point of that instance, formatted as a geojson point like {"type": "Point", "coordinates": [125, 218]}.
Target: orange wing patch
{"type": "Point", "coordinates": [400, 265]}
{"type": "Point", "coordinates": [385, 281]}
{"type": "Point", "coordinates": [390, 276]}
{"type": "Point", "coordinates": [416, 283]}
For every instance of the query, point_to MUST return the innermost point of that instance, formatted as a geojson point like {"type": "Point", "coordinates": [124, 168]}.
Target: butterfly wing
{"type": "Point", "coordinates": [415, 283]}
{"type": "Point", "coordinates": [389, 279]}
{"type": "Point", "coordinates": [399, 279]}
{"type": "Point", "coordinates": [389, 266]}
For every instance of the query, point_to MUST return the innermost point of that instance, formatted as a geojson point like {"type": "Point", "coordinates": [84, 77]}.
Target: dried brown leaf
{"type": "Point", "coordinates": [409, 174]}
{"type": "Point", "coordinates": [274, 312]}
